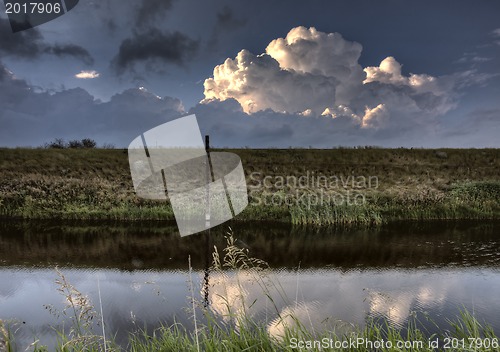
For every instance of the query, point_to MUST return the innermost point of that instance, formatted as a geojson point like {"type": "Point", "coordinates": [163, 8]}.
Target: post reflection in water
{"type": "Point", "coordinates": [345, 275]}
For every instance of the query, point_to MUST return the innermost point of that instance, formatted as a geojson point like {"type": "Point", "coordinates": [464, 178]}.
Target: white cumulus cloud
{"type": "Point", "coordinates": [311, 73]}
{"type": "Point", "coordinates": [87, 74]}
{"type": "Point", "coordinates": [374, 117]}
{"type": "Point", "coordinates": [257, 82]}
{"type": "Point", "coordinates": [306, 70]}
{"type": "Point", "coordinates": [389, 72]}
{"type": "Point", "coordinates": [327, 54]}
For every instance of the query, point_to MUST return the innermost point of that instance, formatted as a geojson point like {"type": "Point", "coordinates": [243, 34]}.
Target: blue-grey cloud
{"type": "Point", "coordinates": [31, 118]}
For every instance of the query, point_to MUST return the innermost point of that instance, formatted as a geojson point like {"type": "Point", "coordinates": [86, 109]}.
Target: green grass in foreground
{"type": "Point", "coordinates": [411, 184]}
{"type": "Point", "coordinates": [468, 335]}
{"type": "Point", "coordinates": [241, 332]}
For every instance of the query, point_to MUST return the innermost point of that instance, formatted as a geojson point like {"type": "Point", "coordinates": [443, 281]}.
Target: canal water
{"type": "Point", "coordinates": [325, 277]}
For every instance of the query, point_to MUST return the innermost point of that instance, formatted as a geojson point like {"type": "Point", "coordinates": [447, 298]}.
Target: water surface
{"type": "Point", "coordinates": [325, 276]}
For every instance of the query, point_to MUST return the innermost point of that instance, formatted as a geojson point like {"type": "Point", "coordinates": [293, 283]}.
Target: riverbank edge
{"type": "Point", "coordinates": [461, 206]}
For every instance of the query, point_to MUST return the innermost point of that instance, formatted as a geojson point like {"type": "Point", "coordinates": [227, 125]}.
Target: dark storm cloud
{"type": "Point", "coordinates": [12, 91]}
{"type": "Point", "coordinates": [154, 47]}
{"type": "Point", "coordinates": [226, 21]}
{"type": "Point", "coordinates": [110, 25]}
{"type": "Point", "coordinates": [3, 72]}
{"type": "Point", "coordinates": [70, 50]}
{"type": "Point", "coordinates": [151, 10]}
{"type": "Point", "coordinates": [30, 44]}
{"type": "Point", "coordinates": [25, 44]}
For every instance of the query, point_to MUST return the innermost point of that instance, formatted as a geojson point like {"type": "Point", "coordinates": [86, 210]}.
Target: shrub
{"type": "Point", "coordinates": [57, 143]}
{"type": "Point", "coordinates": [108, 146]}
{"type": "Point", "coordinates": [88, 143]}
{"type": "Point", "coordinates": [75, 144]}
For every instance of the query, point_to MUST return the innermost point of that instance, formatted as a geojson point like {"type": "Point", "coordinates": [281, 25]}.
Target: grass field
{"type": "Point", "coordinates": [306, 186]}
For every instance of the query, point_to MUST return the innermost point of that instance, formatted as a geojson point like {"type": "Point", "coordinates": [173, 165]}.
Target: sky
{"type": "Point", "coordinates": [258, 74]}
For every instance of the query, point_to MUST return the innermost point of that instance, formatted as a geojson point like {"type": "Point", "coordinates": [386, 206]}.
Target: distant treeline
{"type": "Point", "coordinates": [88, 143]}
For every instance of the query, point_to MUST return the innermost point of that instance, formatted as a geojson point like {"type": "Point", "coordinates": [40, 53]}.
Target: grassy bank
{"type": "Point", "coordinates": [302, 186]}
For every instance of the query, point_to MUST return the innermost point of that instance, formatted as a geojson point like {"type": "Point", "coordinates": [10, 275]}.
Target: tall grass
{"type": "Point", "coordinates": [468, 200]}
{"type": "Point", "coordinates": [81, 312]}
{"type": "Point", "coordinates": [5, 338]}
